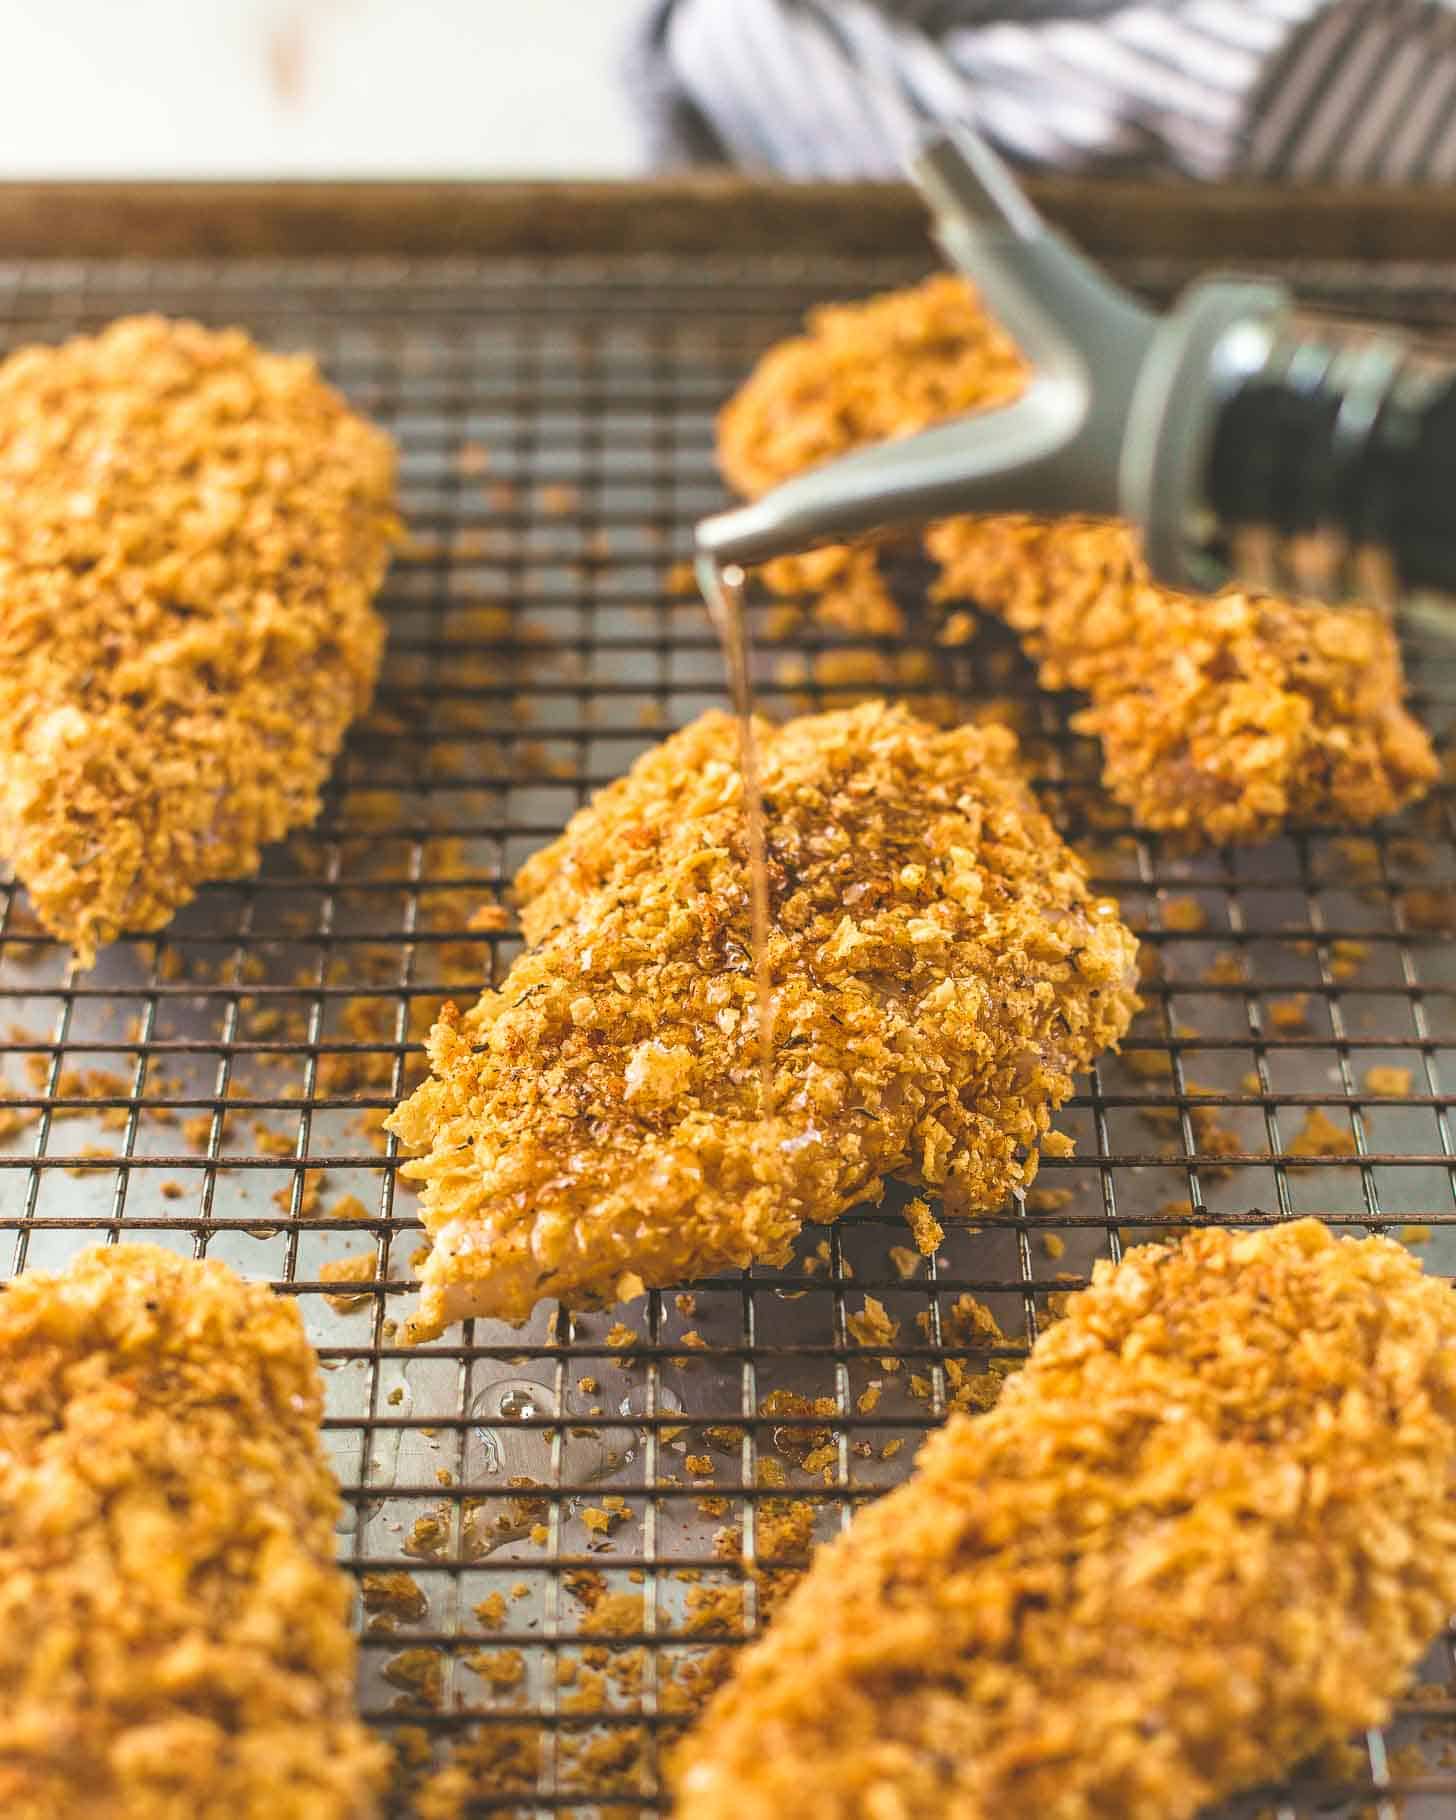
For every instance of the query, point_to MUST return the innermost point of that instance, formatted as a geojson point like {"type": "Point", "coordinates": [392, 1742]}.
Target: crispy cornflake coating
{"type": "Point", "coordinates": [940, 971]}
{"type": "Point", "coordinates": [1225, 717]}
{"type": "Point", "coordinates": [174, 1637]}
{"type": "Point", "coordinates": [1210, 1528]}
{"type": "Point", "coordinates": [864, 371]}
{"type": "Point", "coordinates": [191, 536]}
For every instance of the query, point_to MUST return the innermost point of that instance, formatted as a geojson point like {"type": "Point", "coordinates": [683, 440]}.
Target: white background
{"type": "Point", "coordinates": [314, 88]}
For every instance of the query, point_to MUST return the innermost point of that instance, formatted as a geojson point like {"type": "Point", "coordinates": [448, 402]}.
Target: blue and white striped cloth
{"type": "Point", "coordinates": [1333, 91]}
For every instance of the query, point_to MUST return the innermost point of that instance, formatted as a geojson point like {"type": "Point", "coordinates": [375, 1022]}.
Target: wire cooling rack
{"type": "Point", "coordinates": [593, 1510]}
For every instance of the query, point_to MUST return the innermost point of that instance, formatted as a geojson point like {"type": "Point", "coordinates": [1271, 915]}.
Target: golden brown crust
{"type": "Point", "coordinates": [863, 371]}
{"type": "Point", "coordinates": [1225, 717]}
{"type": "Point", "coordinates": [174, 1637]}
{"type": "Point", "coordinates": [1210, 1528]}
{"type": "Point", "coordinates": [940, 972]}
{"type": "Point", "coordinates": [191, 536]}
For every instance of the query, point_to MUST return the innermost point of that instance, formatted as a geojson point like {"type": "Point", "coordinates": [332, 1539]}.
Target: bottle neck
{"type": "Point", "coordinates": [1344, 432]}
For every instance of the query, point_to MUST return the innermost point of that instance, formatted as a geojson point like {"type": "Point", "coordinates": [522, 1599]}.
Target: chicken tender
{"type": "Point", "coordinates": [939, 973]}
{"type": "Point", "coordinates": [191, 536]}
{"type": "Point", "coordinates": [174, 1637]}
{"type": "Point", "coordinates": [1225, 717]}
{"type": "Point", "coordinates": [891, 365]}
{"type": "Point", "coordinates": [1210, 1528]}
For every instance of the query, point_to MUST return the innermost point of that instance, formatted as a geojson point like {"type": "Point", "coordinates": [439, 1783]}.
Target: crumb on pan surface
{"type": "Point", "coordinates": [174, 1636]}
{"type": "Point", "coordinates": [1208, 1529]}
{"type": "Point", "coordinates": [940, 972]}
{"type": "Point", "coordinates": [191, 535]}
{"type": "Point", "coordinates": [1226, 715]}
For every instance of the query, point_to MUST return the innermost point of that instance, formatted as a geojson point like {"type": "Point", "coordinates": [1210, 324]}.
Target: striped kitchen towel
{"type": "Point", "coordinates": [1333, 91]}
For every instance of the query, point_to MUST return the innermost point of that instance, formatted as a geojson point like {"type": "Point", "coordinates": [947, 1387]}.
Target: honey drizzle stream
{"type": "Point", "coordinates": [723, 591]}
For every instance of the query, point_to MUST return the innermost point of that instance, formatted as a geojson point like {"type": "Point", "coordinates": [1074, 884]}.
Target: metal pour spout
{"type": "Point", "coordinates": [1117, 418]}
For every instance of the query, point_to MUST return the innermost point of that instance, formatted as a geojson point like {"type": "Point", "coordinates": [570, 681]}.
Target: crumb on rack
{"type": "Point", "coordinates": [905, 1261]}
{"type": "Point", "coordinates": [1184, 915]}
{"type": "Point", "coordinates": [925, 1229]}
{"type": "Point", "coordinates": [490, 1612]}
{"type": "Point", "coordinates": [357, 1268]}
{"type": "Point", "coordinates": [1043, 1201]}
{"type": "Point", "coordinates": [397, 1593]}
{"type": "Point", "coordinates": [1320, 1136]}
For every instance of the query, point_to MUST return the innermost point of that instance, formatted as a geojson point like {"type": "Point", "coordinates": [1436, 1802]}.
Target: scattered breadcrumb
{"type": "Point", "coordinates": [197, 1131]}
{"type": "Point", "coordinates": [349, 1207]}
{"type": "Point", "coordinates": [174, 1632]}
{"type": "Point", "coordinates": [419, 1673]}
{"type": "Point", "coordinates": [490, 1612]}
{"type": "Point", "coordinates": [602, 1521]}
{"type": "Point", "coordinates": [1430, 908]}
{"type": "Point", "coordinates": [1053, 1245]}
{"type": "Point", "coordinates": [359, 1268]}
{"type": "Point", "coordinates": [559, 500]}
{"type": "Point", "coordinates": [1415, 1235]}
{"type": "Point", "coordinates": [905, 1261]}
{"type": "Point", "coordinates": [1388, 1082]}
{"type": "Point", "coordinates": [397, 1594]}
{"type": "Point", "coordinates": [1115, 1593]}
{"type": "Point", "coordinates": [599, 1116]}
{"type": "Point", "coordinates": [969, 1322]}
{"type": "Point", "coordinates": [795, 1441]}
{"type": "Point", "coordinates": [1347, 955]}
{"type": "Point", "coordinates": [429, 1535]}
{"type": "Point", "coordinates": [310, 1195]}
{"type": "Point", "coordinates": [493, 1759]}
{"type": "Point", "coordinates": [925, 1229]}
{"type": "Point", "coordinates": [192, 532]}
{"type": "Point", "coordinates": [1320, 1136]}
{"type": "Point", "coordinates": [1290, 1013]}
{"type": "Point", "coordinates": [1041, 1201]}
{"type": "Point", "coordinates": [868, 1399]}
{"type": "Point", "coordinates": [873, 1325]}
{"type": "Point", "coordinates": [1185, 915]}
{"type": "Point", "coordinates": [620, 1335]}
{"type": "Point", "coordinates": [498, 1667]}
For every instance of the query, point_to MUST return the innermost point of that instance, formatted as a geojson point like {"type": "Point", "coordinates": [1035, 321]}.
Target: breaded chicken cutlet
{"type": "Point", "coordinates": [1209, 1528]}
{"type": "Point", "coordinates": [939, 971]}
{"type": "Point", "coordinates": [1224, 717]}
{"type": "Point", "coordinates": [191, 536]}
{"type": "Point", "coordinates": [174, 1636]}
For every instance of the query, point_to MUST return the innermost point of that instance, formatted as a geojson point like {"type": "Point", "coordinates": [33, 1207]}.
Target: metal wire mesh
{"type": "Point", "coordinates": [622, 1482]}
